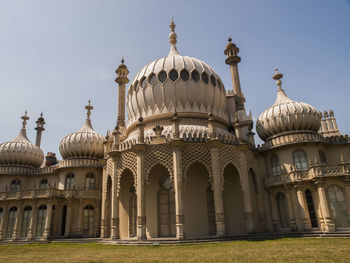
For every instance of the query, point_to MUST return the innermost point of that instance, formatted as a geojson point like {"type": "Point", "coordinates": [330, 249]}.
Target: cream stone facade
{"type": "Point", "coordinates": [184, 165]}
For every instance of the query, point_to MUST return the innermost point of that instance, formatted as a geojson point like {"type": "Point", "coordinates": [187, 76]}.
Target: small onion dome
{"type": "Point", "coordinates": [85, 143]}
{"type": "Point", "coordinates": [21, 151]}
{"type": "Point", "coordinates": [286, 115]}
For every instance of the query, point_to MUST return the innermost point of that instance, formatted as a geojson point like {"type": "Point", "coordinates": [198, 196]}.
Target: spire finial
{"type": "Point", "coordinates": [88, 107]}
{"type": "Point", "coordinates": [173, 37]}
{"type": "Point", "coordinates": [229, 39]}
{"type": "Point", "coordinates": [278, 77]}
{"type": "Point", "coordinates": [122, 61]}
{"type": "Point", "coordinates": [24, 118]}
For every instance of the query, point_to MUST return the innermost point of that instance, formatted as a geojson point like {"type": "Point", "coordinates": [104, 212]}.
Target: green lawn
{"type": "Point", "coordinates": [280, 250]}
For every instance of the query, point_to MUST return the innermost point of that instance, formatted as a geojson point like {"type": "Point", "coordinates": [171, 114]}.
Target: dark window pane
{"type": "Point", "coordinates": [195, 75]}
{"type": "Point", "coordinates": [162, 76]}
{"type": "Point", "coordinates": [173, 75]}
{"type": "Point", "coordinates": [152, 79]}
{"type": "Point", "coordinates": [205, 78]}
{"type": "Point", "coordinates": [184, 75]}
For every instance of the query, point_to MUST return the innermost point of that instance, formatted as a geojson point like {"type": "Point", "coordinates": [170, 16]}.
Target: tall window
{"type": "Point", "coordinates": [338, 206]}
{"type": "Point", "coordinates": [70, 181]}
{"type": "Point", "coordinates": [40, 227]}
{"type": "Point", "coordinates": [27, 215]}
{"type": "Point", "coordinates": [88, 225]}
{"type": "Point", "coordinates": [90, 181]}
{"type": "Point", "coordinates": [44, 184]}
{"type": "Point", "coordinates": [300, 161]}
{"type": "Point", "coordinates": [282, 210]}
{"type": "Point", "coordinates": [323, 158]}
{"type": "Point", "coordinates": [311, 208]}
{"type": "Point", "coordinates": [11, 222]}
{"type": "Point", "coordinates": [275, 165]}
{"type": "Point", "coordinates": [15, 185]}
{"type": "Point", "coordinates": [166, 207]}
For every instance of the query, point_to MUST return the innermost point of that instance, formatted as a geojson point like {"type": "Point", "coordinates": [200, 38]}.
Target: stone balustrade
{"type": "Point", "coordinates": [314, 172]}
{"type": "Point", "coordinates": [49, 193]}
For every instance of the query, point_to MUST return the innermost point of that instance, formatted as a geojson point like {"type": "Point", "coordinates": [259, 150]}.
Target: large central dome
{"type": "Point", "coordinates": [175, 83]}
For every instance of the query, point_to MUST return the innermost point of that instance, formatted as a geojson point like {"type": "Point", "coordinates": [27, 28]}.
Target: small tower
{"type": "Point", "coordinates": [39, 129]}
{"type": "Point", "coordinates": [232, 60]}
{"type": "Point", "coordinates": [239, 120]}
{"type": "Point", "coordinates": [122, 79]}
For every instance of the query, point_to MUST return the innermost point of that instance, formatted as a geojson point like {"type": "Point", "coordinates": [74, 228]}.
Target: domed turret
{"type": "Point", "coordinates": [85, 143]}
{"type": "Point", "coordinates": [20, 151]}
{"type": "Point", "coordinates": [175, 83]}
{"type": "Point", "coordinates": [286, 115]}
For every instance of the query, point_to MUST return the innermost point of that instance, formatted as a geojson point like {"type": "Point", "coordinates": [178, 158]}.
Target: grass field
{"type": "Point", "coordinates": [280, 250]}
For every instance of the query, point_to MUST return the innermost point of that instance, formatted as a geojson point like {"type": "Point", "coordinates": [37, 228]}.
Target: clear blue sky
{"type": "Point", "coordinates": [55, 55]}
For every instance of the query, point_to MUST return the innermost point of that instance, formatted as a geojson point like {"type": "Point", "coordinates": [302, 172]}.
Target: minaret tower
{"type": "Point", "coordinates": [39, 129]}
{"type": "Point", "coordinates": [122, 79]}
{"type": "Point", "coordinates": [232, 60]}
{"type": "Point", "coordinates": [242, 123]}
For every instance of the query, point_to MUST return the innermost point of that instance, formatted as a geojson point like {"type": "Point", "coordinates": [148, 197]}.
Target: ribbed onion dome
{"type": "Point", "coordinates": [85, 143]}
{"type": "Point", "coordinates": [175, 82]}
{"type": "Point", "coordinates": [20, 151]}
{"type": "Point", "coordinates": [286, 115]}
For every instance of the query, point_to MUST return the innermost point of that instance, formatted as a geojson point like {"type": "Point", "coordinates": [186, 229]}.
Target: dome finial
{"type": "Point", "coordinates": [88, 107]}
{"type": "Point", "coordinates": [24, 118]}
{"type": "Point", "coordinates": [122, 61]}
{"type": "Point", "coordinates": [173, 38]}
{"type": "Point", "coordinates": [278, 77]}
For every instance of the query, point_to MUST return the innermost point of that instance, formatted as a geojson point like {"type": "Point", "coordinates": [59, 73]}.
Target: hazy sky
{"type": "Point", "coordinates": [55, 55]}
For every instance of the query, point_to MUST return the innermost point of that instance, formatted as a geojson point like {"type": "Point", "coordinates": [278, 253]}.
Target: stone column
{"type": "Point", "coordinates": [292, 221]}
{"type": "Point", "coordinates": [3, 223]}
{"type": "Point", "coordinates": [140, 191]}
{"type": "Point", "coordinates": [32, 231]}
{"type": "Point", "coordinates": [327, 224]}
{"type": "Point", "coordinates": [301, 205]}
{"type": "Point", "coordinates": [68, 229]}
{"type": "Point", "coordinates": [80, 218]}
{"type": "Point", "coordinates": [274, 211]}
{"type": "Point", "coordinates": [217, 186]}
{"type": "Point", "coordinates": [30, 235]}
{"type": "Point", "coordinates": [17, 229]}
{"type": "Point", "coordinates": [178, 185]}
{"type": "Point", "coordinates": [247, 200]}
{"type": "Point", "coordinates": [97, 220]}
{"type": "Point", "coordinates": [47, 226]}
{"type": "Point", "coordinates": [114, 209]}
{"type": "Point", "coordinates": [103, 204]}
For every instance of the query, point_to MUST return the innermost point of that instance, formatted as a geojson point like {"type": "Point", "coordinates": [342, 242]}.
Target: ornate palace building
{"type": "Point", "coordinates": [184, 165]}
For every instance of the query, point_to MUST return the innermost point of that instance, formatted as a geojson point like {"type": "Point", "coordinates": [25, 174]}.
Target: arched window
{"type": "Point", "coordinates": [15, 185]}
{"type": "Point", "coordinates": [323, 158]}
{"type": "Point", "coordinates": [40, 227]}
{"type": "Point", "coordinates": [70, 181]}
{"type": "Point", "coordinates": [27, 215]}
{"type": "Point", "coordinates": [282, 210]}
{"type": "Point", "coordinates": [338, 206]}
{"type": "Point", "coordinates": [275, 165]}
{"type": "Point", "coordinates": [88, 224]}
{"type": "Point", "coordinates": [300, 162]}
{"type": "Point", "coordinates": [311, 208]}
{"type": "Point", "coordinates": [44, 184]}
{"type": "Point", "coordinates": [11, 222]}
{"type": "Point", "coordinates": [90, 181]}
{"type": "Point", "coordinates": [166, 205]}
